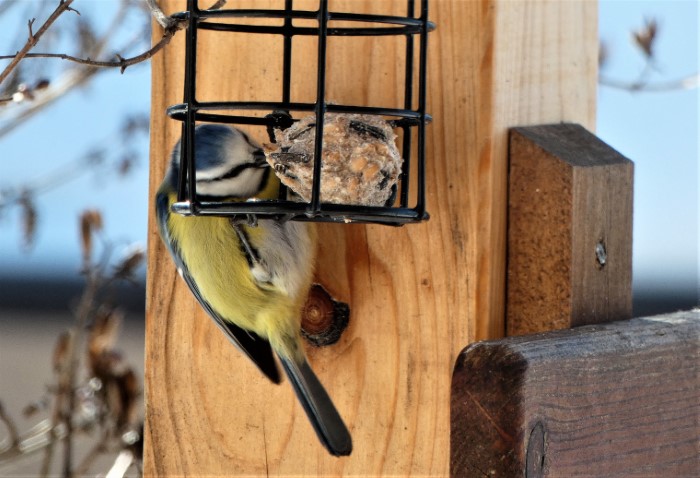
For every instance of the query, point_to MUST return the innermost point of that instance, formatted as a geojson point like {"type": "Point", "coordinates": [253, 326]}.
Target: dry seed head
{"type": "Point", "coordinates": [90, 223]}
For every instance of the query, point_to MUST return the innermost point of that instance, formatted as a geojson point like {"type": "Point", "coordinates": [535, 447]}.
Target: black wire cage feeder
{"type": "Point", "coordinates": [404, 206]}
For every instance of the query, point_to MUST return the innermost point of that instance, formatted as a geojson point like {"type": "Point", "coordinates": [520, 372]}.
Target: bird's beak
{"type": "Point", "coordinates": [260, 160]}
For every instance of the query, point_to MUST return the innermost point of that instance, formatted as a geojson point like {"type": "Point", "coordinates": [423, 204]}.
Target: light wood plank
{"type": "Point", "coordinates": [417, 294]}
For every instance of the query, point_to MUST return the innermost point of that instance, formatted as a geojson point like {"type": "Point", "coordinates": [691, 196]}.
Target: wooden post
{"type": "Point", "coordinates": [418, 293]}
{"type": "Point", "coordinates": [569, 230]}
{"type": "Point", "coordinates": [618, 399]}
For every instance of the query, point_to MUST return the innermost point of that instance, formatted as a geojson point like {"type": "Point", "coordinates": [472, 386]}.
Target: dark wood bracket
{"type": "Point", "coordinates": [569, 230]}
{"type": "Point", "coordinates": [618, 399]}
{"type": "Point", "coordinates": [612, 399]}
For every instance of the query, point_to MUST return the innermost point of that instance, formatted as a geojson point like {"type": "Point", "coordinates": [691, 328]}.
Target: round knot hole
{"type": "Point", "coordinates": [323, 318]}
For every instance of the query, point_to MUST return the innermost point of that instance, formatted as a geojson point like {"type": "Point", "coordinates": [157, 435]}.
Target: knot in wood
{"type": "Point", "coordinates": [534, 461]}
{"type": "Point", "coordinates": [323, 318]}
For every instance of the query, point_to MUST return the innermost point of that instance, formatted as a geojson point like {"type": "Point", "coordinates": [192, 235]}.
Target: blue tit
{"type": "Point", "coordinates": [252, 279]}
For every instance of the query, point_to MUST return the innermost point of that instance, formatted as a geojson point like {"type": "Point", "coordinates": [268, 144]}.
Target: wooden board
{"type": "Point", "coordinates": [620, 399]}
{"type": "Point", "coordinates": [417, 294]}
{"type": "Point", "coordinates": [569, 230]}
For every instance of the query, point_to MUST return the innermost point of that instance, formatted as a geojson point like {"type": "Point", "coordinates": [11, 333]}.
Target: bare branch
{"type": "Point", "coordinates": [121, 63]}
{"type": "Point", "coordinates": [35, 440]}
{"type": "Point", "coordinates": [33, 39]}
{"type": "Point", "coordinates": [172, 27]}
{"type": "Point", "coordinates": [29, 24]}
{"type": "Point", "coordinates": [163, 20]}
{"type": "Point", "coordinates": [71, 79]}
{"type": "Point", "coordinates": [645, 39]}
{"type": "Point", "coordinates": [687, 83]}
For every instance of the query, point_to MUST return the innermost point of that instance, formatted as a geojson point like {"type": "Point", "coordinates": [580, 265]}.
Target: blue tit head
{"type": "Point", "coordinates": [228, 163]}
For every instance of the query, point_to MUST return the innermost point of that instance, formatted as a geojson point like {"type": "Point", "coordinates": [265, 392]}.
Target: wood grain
{"type": "Point", "coordinates": [417, 294]}
{"type": "Point", "coordinates": [569, 230]}
{"type": "Point", "coordinates": [612, 400]}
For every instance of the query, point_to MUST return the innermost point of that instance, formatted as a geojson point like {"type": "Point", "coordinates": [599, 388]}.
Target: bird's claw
{"type": "Point", "coordinates": [250, 220]}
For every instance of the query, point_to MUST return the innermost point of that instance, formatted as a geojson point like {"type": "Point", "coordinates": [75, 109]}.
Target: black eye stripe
{"type": "Point", "coordinates": [232, 173]}
{"type": "Point", "coordinates": [217, 197]}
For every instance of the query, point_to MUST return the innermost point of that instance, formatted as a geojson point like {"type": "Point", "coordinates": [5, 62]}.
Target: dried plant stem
{"type": "Point", "coordinates": [65, 399]}
{"type": "Point", "coordinates": [33, 441]}
{"type": "Point", "coordinates": [93, 454]}
{"type": "Point", "coordinates": [85, 307]}
{"type": "Point", "coordinates": [33, 39]}
{"type": "Point", "coordinates": [76, 405]}
{"type": "Point", "coordinates": [56, 417]}
{"type": "Point", "coordinates": [11, 427]}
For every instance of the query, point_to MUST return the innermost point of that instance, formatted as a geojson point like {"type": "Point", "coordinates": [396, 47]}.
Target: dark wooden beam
{"type": "Point", "coordinates": [617, 399]}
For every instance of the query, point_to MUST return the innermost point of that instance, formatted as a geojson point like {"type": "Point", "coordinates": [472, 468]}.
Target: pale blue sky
{"type": "Point", "coordinates": [658, 131]}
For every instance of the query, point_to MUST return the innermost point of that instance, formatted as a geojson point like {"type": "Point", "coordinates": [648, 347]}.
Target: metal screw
{"type": "Point", "coordinates": [601, 254]}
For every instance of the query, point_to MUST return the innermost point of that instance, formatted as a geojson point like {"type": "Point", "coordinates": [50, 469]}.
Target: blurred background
{"type": "Point", "coordinates": [77, 138]}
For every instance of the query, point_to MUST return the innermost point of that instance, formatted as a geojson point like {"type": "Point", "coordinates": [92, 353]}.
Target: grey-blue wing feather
{"type": "Point", "coordinates": [254, 347]}
{"type": "Point", "coordinates": [324, 417]}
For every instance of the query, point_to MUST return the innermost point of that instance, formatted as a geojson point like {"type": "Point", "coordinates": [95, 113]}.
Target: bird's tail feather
{"type": "Point", "coordinates": [324, 417]}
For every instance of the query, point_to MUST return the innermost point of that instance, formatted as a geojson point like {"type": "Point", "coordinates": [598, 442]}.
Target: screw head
{"type": "Point", "coordinates": [601, 254]}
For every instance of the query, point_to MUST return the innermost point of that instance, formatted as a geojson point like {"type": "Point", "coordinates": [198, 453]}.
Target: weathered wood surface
{"type": "Point", "coordinates": [612, 400]}
{"type": "Point", "coordinates": [569, 230]}
{"type": "Point", "coordinates": [417, 294]}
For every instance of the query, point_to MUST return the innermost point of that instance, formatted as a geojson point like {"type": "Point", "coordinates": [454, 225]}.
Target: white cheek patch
{"type": "Point", "coordinates": [245, 185]}
{"type": "Point", "coordinates": [234, 150]}
{"type": "Point", "coordinates": [213, 173]}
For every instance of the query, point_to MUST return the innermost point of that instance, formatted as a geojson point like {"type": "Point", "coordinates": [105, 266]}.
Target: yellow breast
{"type": "Point", "coordinates": [212, 252]}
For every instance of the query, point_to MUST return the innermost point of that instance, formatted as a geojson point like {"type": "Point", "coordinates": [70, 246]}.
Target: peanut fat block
{"type": "Point", "coordinates": [360, 165]}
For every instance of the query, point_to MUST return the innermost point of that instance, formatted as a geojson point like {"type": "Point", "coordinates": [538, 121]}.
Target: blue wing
{"type": "Point", "coordinates": [254, 347]}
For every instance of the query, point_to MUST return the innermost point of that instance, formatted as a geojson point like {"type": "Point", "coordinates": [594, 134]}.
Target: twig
{"type": "Point", "coordinates": [121, 63]}
{"type": "Point", "coordinates": [73, 78]}
{"type": "Point", "coordinates": [33, 441]}
{"type": "Point", "coordinates": [67, 419]}
{"type": "Point", "coordinates": [163, 20]}
{"type": "Point", "coordinates": [57, 414]}
{"type": "Point", "coordinates": [687, 83]}
{"type": "Point", "coordinates": [33, 39]}
{"type": "Point", "coordinates": [85, 306]}
{"type": "Point", "coordinates": [99, 448]}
